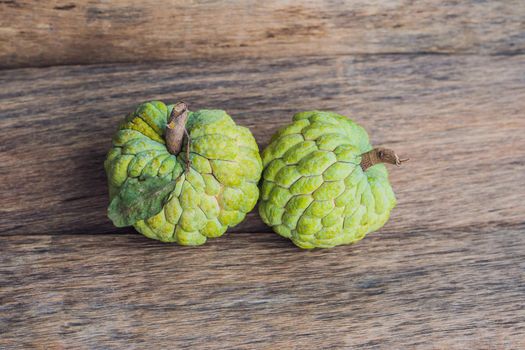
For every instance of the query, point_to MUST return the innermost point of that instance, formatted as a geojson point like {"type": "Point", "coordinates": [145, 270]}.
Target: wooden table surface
{"type": "Point", "coordinates": [440, 81]}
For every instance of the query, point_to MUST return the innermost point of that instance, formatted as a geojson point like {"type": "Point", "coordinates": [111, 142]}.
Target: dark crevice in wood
{"type": "Point", "coordinates": [386, 233]}
{"type": "Point", "coordinates": [220, 59]}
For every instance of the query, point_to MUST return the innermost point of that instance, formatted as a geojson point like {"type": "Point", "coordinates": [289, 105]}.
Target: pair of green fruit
{"type": "Point", "coordinates": [182, 176]}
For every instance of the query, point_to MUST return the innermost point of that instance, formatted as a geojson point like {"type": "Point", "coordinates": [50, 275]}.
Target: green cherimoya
{"type": "Point", "coordinates": [181, 176]}
{"type": "Point", "coordinates": [323, 184]}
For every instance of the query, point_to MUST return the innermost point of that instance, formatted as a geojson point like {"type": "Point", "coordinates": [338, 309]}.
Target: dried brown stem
{"type": "Point", "coordinates": [176, 127]}
{"type": "Point", "coordinates": [380, 155]}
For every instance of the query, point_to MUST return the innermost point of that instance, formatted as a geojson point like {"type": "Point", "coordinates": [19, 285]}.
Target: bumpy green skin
{"type": "Point", "coordinates": [314, 191]}
{"type": "Point", "coordinates": [217, 192]}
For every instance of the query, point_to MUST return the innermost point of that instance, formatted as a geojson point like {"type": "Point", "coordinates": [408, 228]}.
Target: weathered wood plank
{"type": "Point", "coordinates": [459, 119]}
{"type": "Point", "coordinates": [434, 290]}
{"type": "Point", "coordinates": [43, 33]}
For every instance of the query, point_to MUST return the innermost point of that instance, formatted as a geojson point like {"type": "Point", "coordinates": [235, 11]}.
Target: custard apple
{"type": "Point", "coordinates": [181, 176]}
{"type": "Point", "coordinates": [323, 185]}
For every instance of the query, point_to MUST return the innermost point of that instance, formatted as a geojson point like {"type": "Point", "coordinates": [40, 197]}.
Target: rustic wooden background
{"type": "Point", "coordinates": [440, 81]}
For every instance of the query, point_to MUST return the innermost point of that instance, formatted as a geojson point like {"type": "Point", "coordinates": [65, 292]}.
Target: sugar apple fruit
{"type": "Point", "coordinates": [181, 176]}
{"type": "Point", "coordinates": [323, 184]}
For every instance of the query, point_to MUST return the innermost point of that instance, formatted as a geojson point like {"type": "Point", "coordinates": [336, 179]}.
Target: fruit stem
{"type": "Point", "coordinates": [380, 155]}
{"type": "Point", "coordinates": [176, 128]}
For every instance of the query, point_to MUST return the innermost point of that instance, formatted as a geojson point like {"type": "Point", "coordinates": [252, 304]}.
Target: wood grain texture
{"type": "Point", "coordinates": [442, 82]}
{"type": "Point", "coordinates": [57, 32]}
{"type": "Point", "coordinates": [459, 119]}
{"type": "Point", "coordinates": [448, 289]}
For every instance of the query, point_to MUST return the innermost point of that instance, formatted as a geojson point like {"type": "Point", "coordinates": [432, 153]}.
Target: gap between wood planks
{"type": "Point", "coordinates": [234, 234]}
{"type": "Point", "coordinates": [311, 55]}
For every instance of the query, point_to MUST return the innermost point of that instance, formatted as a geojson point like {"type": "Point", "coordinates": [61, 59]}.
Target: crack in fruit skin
{"type": "Point", "coordinates": [313, 189]}
{"type": "Point", "coordinates": [216, 192]}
